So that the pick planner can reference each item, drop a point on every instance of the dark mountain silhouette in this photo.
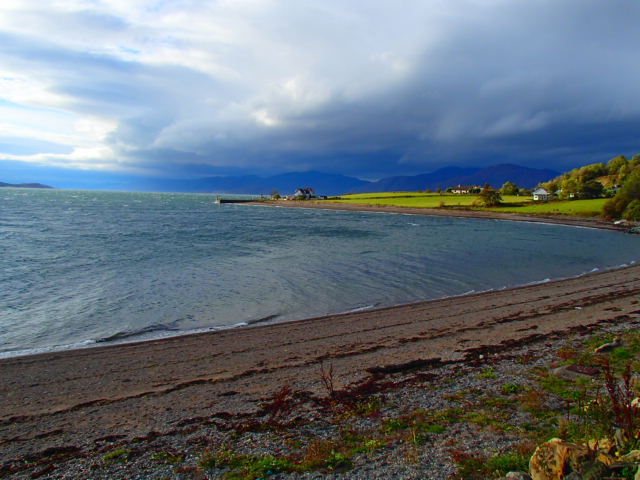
(334, 184)
(285, 184)
(495, 176)
(414, 183)
(24, 185)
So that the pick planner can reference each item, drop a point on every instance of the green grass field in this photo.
(580, 208)
(511, 203)
(419, 200)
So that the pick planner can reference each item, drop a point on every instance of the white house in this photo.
(541, 195)
(304, 193)
(461, 189)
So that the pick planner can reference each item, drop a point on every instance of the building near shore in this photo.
(541, 195)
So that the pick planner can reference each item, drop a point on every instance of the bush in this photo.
(614, 207)
(509, 188)
(632, 212)
(490, 197)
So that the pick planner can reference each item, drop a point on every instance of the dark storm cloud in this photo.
(368, 91)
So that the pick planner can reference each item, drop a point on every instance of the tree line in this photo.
(618, 180)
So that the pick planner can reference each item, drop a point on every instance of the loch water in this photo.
(81, 268)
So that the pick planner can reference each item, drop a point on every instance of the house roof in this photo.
(540, 191)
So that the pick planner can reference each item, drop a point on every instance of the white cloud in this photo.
(237, 80)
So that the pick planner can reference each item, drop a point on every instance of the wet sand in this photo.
(75, 398)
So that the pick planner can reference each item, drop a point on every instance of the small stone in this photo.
(517, 476)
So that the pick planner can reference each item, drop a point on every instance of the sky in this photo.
(105, 90)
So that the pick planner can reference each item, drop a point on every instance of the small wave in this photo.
(363, 308)
(21, 352)
(134, 333)
(261, 319)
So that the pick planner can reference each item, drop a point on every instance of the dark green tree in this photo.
(614, 207)
(569, 187)
(590, 189)
(629, 192)
(631, 186)
(509, 188)
(490, 197)
(615, 165)
(591, 172)
(632, 212)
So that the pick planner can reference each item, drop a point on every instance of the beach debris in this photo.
(403, 367)
(605, 347)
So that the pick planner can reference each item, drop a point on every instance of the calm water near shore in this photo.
(80, 267)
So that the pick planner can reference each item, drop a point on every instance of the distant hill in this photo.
(495, 176)
(24, 185)
(438, 179)
(285, 184)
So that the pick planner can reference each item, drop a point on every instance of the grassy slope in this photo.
(511, 203)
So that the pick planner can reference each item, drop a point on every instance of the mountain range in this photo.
(285, 184)
(333, 184)
(495, 175)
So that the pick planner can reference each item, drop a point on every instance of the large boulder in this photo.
(556, 458)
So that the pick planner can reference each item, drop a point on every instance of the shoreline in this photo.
(173, 334)
(159, 388)
(107, 389)
(588, 222)
(576, 222)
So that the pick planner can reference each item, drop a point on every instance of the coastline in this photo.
(156, 387)
(158, 332)
(588, 222)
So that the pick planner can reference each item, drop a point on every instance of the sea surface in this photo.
(81, 268)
